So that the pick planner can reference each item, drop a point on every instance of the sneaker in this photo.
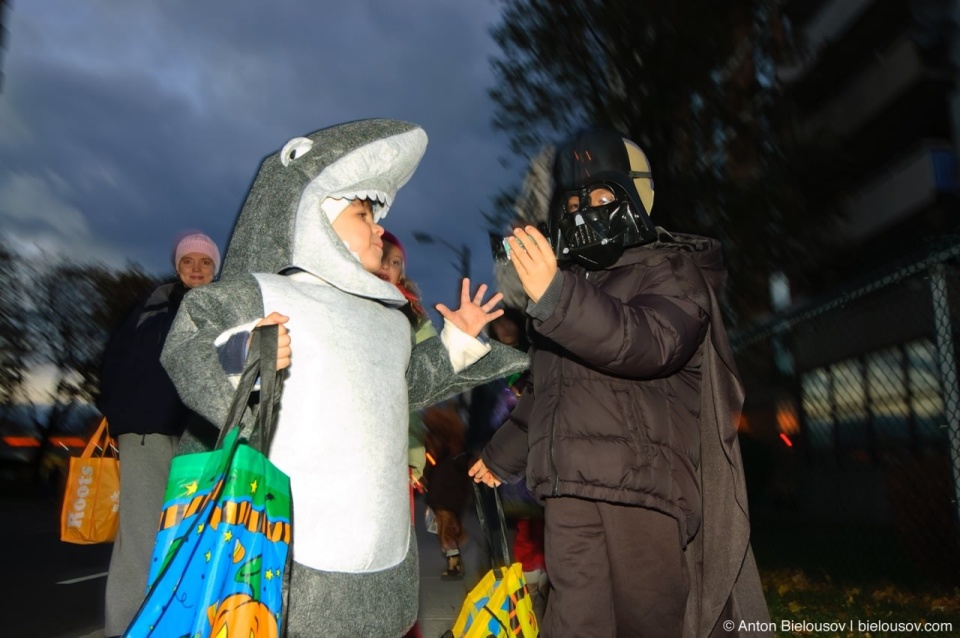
(454, 570)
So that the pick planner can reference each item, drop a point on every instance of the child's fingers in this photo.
(493, 315)
(284, 351)
(283, 357)
(481, 474)
(538, 241)
(518, 255)
(445, 312)
(274, 318)
(494, 300)
(535, 245)
(490, 480)
(481, 291)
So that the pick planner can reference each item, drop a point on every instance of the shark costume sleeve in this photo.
(354, 374)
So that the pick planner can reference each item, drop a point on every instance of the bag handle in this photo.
(263, 348)
(271, 385)
(99, 440)
(504, 546)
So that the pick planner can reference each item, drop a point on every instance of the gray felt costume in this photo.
(342, 430)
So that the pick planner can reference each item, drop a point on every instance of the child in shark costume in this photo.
(354, 373)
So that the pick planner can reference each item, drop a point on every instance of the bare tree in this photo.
(693, 82)
(15, 343)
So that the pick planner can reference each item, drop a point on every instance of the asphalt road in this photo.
(51, 589)
(48, 589)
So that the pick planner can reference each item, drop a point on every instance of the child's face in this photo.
(391, 265)
(597, 196)
(505, 331)
(356, 227)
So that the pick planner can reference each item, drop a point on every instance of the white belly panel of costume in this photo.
(342, 429)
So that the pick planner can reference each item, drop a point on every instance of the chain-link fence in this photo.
(851, 431)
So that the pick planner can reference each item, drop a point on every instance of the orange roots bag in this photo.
(91, 502)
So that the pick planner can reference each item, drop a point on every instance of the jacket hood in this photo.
(705, 252)
(281, 225)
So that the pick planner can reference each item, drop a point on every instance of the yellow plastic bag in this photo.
(499, 605)
(91, 502)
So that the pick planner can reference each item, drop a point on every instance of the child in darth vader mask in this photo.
(603, 199)
(626, 430)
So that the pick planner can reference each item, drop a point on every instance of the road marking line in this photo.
(81, 579)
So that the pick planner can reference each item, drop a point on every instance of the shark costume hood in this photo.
(281, 225)
(330, 416)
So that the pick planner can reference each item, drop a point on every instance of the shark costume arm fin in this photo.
(190, 355)
(431, 379)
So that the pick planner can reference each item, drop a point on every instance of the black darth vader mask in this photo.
(595, 224)
(597, 210)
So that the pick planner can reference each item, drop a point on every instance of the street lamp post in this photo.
(462, 252)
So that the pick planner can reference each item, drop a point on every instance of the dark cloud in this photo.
(138, 120)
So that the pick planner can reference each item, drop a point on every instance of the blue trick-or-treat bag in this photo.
(221, 555)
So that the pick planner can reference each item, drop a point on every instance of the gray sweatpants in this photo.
(144, 467)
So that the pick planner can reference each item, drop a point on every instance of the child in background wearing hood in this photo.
(393, 268)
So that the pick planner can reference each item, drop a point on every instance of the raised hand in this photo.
(533, 259)
(473, 314)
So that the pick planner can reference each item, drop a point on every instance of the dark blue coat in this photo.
(136, 394)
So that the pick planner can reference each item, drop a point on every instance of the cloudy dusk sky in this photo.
(124, 123)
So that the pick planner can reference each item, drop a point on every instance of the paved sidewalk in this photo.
(440, 600)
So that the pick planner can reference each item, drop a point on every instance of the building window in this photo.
(856, 408)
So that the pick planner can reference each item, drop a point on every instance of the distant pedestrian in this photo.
(448, 486)
(147, 418)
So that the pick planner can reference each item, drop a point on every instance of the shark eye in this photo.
(295, 148)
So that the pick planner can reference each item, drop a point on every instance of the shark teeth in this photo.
(374, 196)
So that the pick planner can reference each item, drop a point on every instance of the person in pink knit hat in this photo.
(197, 260)
(147, 418)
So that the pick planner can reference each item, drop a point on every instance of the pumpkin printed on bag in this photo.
(239, 616)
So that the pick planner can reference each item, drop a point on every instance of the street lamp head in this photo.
(423, 238)
(462, 251)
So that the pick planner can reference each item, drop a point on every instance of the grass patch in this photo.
(794, 596)
(821, 573)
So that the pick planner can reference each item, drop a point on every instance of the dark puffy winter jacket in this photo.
(136, 394)
(613, 409)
